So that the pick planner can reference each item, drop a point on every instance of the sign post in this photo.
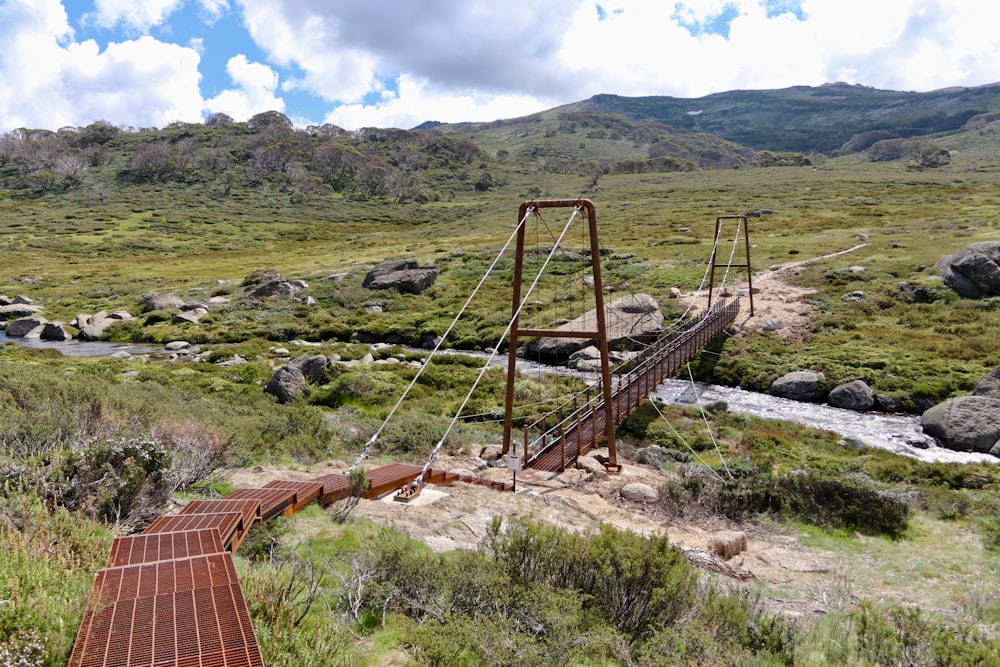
(514, 464)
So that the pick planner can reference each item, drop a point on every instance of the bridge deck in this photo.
(576, 434)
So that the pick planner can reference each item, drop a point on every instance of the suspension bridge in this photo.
(170, 595)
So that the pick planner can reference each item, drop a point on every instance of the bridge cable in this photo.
(371, 441)
(732, 254)
(437, 448)
(676, 324)
(704, 418)
(685, 442)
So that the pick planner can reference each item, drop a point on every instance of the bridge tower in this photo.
(600, 335)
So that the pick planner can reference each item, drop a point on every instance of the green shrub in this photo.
(905, 636)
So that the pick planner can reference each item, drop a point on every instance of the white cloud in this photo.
(416, 102)
(49, 81)
(139, 15)
(254, 92)
(214, 8)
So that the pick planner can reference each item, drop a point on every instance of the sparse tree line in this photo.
(368, 163)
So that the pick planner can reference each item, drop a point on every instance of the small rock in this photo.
(639, 492)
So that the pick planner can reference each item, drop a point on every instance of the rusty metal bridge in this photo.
(171, 596)
(586, 426)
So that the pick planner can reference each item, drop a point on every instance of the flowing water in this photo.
(901, 434)
(897, 433)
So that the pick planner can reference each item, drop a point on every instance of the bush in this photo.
(848, 503)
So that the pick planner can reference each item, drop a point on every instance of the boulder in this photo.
(630, 317)
(966, 424)
(887, 403)
(13, 311)
(287, 384)
(312, 366)
(274, 289)
(92, 326)
(855, 395)
(805, 386)
(988, 385)
(404, 275)
(639, 492)
(22, 327)
(261, 276)
(151, 302)
(55, 331)
(190, 316)
(974, 271)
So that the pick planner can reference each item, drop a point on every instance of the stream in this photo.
(893, 432)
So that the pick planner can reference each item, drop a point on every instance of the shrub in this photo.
(123, 481)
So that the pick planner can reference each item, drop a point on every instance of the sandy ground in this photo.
(457, 516)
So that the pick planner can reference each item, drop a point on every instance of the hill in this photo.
(804, 119)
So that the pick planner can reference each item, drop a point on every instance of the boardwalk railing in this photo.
(574, 435)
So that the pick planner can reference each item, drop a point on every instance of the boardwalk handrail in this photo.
(579, 431)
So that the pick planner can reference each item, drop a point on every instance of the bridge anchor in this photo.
(408, 493)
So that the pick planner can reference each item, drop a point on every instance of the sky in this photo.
(399, 63)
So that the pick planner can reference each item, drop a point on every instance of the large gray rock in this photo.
(852, 396)
(275, 289)
(151, 302)
(22, 327)
(639, 492)
(190, 316)
(966, 424)
(973, 271)
(312, 366)
(989, 385)
(403, 275)
(13, 311)
(92, 326)
(805, 386)
(287, 384)
(630, 317)
(55, 331)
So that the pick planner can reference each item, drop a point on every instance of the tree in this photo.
(927, 153)
(267, 119)
(218, 120)
(335, 164)
(97, 133)
(151, 162)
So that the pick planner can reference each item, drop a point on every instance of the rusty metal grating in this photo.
(249, 508)
(391, 477)
(305, 491)
(335, 486)
(149, 548)
(171, 596)
(272, 501)
(189, 611)
(228, 524)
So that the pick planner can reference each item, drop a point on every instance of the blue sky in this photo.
(398, 63)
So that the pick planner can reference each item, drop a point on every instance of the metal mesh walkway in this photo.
(170, 596)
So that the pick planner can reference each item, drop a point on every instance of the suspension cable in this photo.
(704, 418)
(371, 441)
(419, 481)
(732, 253)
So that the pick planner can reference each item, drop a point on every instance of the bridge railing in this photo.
(580, 430)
